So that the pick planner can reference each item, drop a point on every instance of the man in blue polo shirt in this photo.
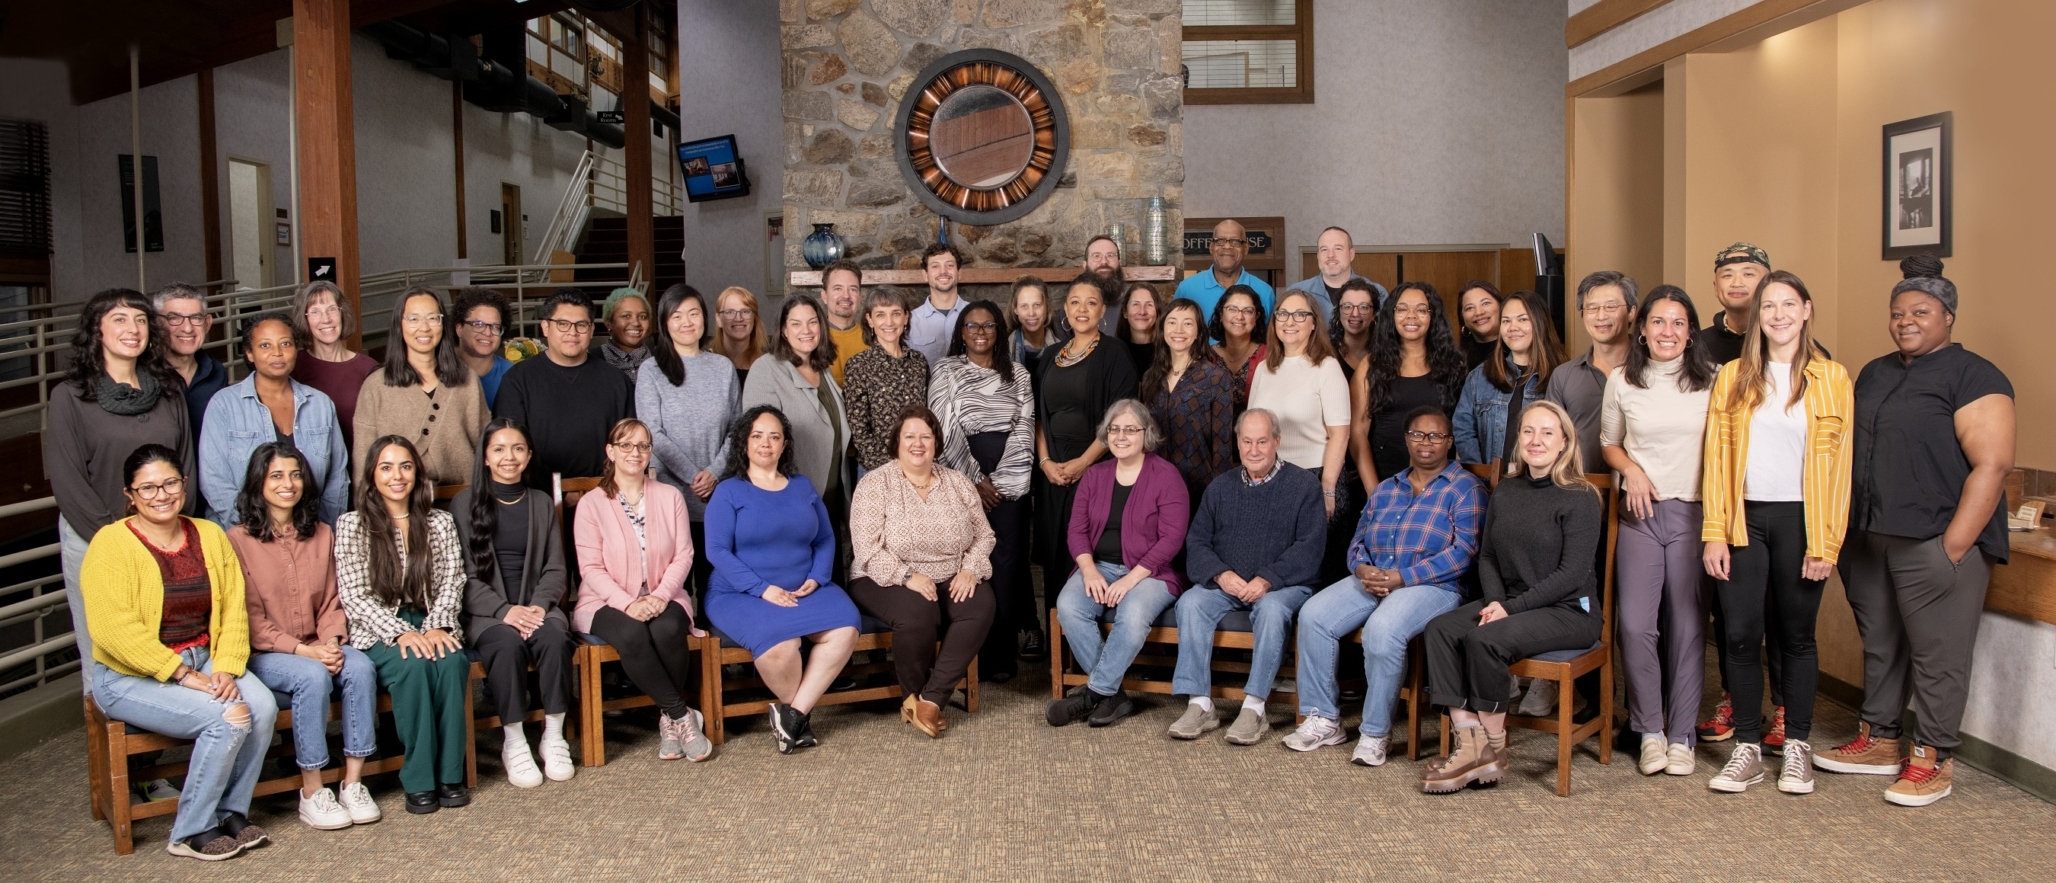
(1230, 247)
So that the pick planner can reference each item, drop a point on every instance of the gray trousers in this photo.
(1660, 618)
(1918, 616)
(71, 558)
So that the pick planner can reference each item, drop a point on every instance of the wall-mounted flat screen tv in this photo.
(713, 169)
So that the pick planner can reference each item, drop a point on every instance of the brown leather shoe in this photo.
(928, 716)
(1473, 761)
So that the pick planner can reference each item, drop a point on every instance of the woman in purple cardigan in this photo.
(1127, 522)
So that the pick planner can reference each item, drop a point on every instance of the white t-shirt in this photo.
(1776, 469)
(1662, 428)
(1307, 400)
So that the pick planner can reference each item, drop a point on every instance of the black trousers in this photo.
(702, 566)
(1918, 614)
(506, 656)
(1468, 663)
(1014, 593)
(653, 653)
(1763, 576)
(1772, 659)
(916, 623)
(1349, 508)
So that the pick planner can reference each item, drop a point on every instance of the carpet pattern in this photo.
(1004, 797)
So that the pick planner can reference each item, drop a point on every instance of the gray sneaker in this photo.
(1370, 750)
(669, 743)
(1249, 728)
(1745, 768)
(1797, 775)
(1195, 722)
(692, 737)
(1315, 732)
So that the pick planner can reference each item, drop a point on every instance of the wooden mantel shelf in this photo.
(2027, 586)
(988, 275)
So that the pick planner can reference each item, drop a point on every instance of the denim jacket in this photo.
(1480, 419)
(237, 423)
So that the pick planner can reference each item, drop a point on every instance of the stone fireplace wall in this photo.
(847, 63)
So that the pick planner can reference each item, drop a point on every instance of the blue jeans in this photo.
(227, 759)
(1200, 610)
(307, 687)
(1106, 661)
(1388, 624)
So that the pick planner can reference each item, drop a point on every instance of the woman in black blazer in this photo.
(513, 593)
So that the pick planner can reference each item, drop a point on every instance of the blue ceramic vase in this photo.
(821, 247)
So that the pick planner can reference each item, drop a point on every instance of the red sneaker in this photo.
(1774, 737)
(1721, 727)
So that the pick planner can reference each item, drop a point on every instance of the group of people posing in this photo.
(333, 526)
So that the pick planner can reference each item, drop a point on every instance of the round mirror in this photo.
(982, 137)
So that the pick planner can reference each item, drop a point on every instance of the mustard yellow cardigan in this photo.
(1830, 402)
(124, 594)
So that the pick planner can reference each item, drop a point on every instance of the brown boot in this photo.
(1923, 781)
(1473, 761)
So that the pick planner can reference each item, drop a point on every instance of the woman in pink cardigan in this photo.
(634, 551)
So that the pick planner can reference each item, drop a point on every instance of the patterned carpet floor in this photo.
(1004, 797)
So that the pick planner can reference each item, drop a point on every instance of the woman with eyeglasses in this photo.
(1138, 326)
(267, 407)
(1080, 380)
(425, 394)
(1652, 428)
(1242, 328)
(119, 396)
(298, 632)
(1517, 373)
(1193, 398)
(171, 646)
(626, 313)
(1414, 364)
(1302, 384)
(884, 378)
(741, 335)
(322, 321)
(1355, 317)
(687, 396)
(1349, 329)
(1478, 307)
(985, 404)
(634, 552)
(400, 575)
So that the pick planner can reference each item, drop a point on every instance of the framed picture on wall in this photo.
(1918, 186)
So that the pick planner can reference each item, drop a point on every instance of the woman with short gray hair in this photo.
(1127, 522)
(884, 379)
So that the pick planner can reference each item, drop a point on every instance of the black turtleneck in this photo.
(1538, 545)
(510, 539)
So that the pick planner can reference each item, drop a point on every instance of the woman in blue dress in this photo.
(773, 550)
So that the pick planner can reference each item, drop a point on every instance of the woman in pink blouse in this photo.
(635, 549)
(923, 556)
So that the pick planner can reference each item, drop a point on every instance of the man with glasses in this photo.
(842, 289)
(1606, 300)
(185, 317)
(1230, 247)
(932, 322)
(569, 402)
(1335, 253)
(481, 325)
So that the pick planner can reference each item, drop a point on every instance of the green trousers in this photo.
(428, 710)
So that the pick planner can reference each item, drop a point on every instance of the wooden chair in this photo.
(1564, 667)
(110, 744)
(1234, 632)
(716, 651)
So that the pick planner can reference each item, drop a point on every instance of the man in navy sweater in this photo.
(1254, 546)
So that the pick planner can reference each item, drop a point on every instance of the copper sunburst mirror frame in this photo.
(981, 137)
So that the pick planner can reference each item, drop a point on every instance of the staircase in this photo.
(606, 242)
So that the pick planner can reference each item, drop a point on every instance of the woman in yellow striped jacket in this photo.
(1775, 495)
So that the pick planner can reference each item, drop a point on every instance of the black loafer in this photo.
(452, 795)
(1110, 709)
(422, 803)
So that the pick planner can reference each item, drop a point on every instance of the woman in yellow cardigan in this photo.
(164, 602)
(1775, 496)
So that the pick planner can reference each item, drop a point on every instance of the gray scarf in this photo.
(123, 400)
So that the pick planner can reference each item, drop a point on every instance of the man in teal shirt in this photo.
(1230, 247)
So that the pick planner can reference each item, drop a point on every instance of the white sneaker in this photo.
(1314, 732)
(159, 789)
(1370, 750)
(1655, 754)
(520, 764)
(1682, 761)
(356, 800)
(1540, 700)
(557, 759)
(322, 813)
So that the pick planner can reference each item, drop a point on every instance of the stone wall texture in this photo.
(847, 63)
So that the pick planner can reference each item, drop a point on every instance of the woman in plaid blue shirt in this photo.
(1412, 546)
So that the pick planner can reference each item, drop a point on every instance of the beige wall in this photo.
(1617, 209)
